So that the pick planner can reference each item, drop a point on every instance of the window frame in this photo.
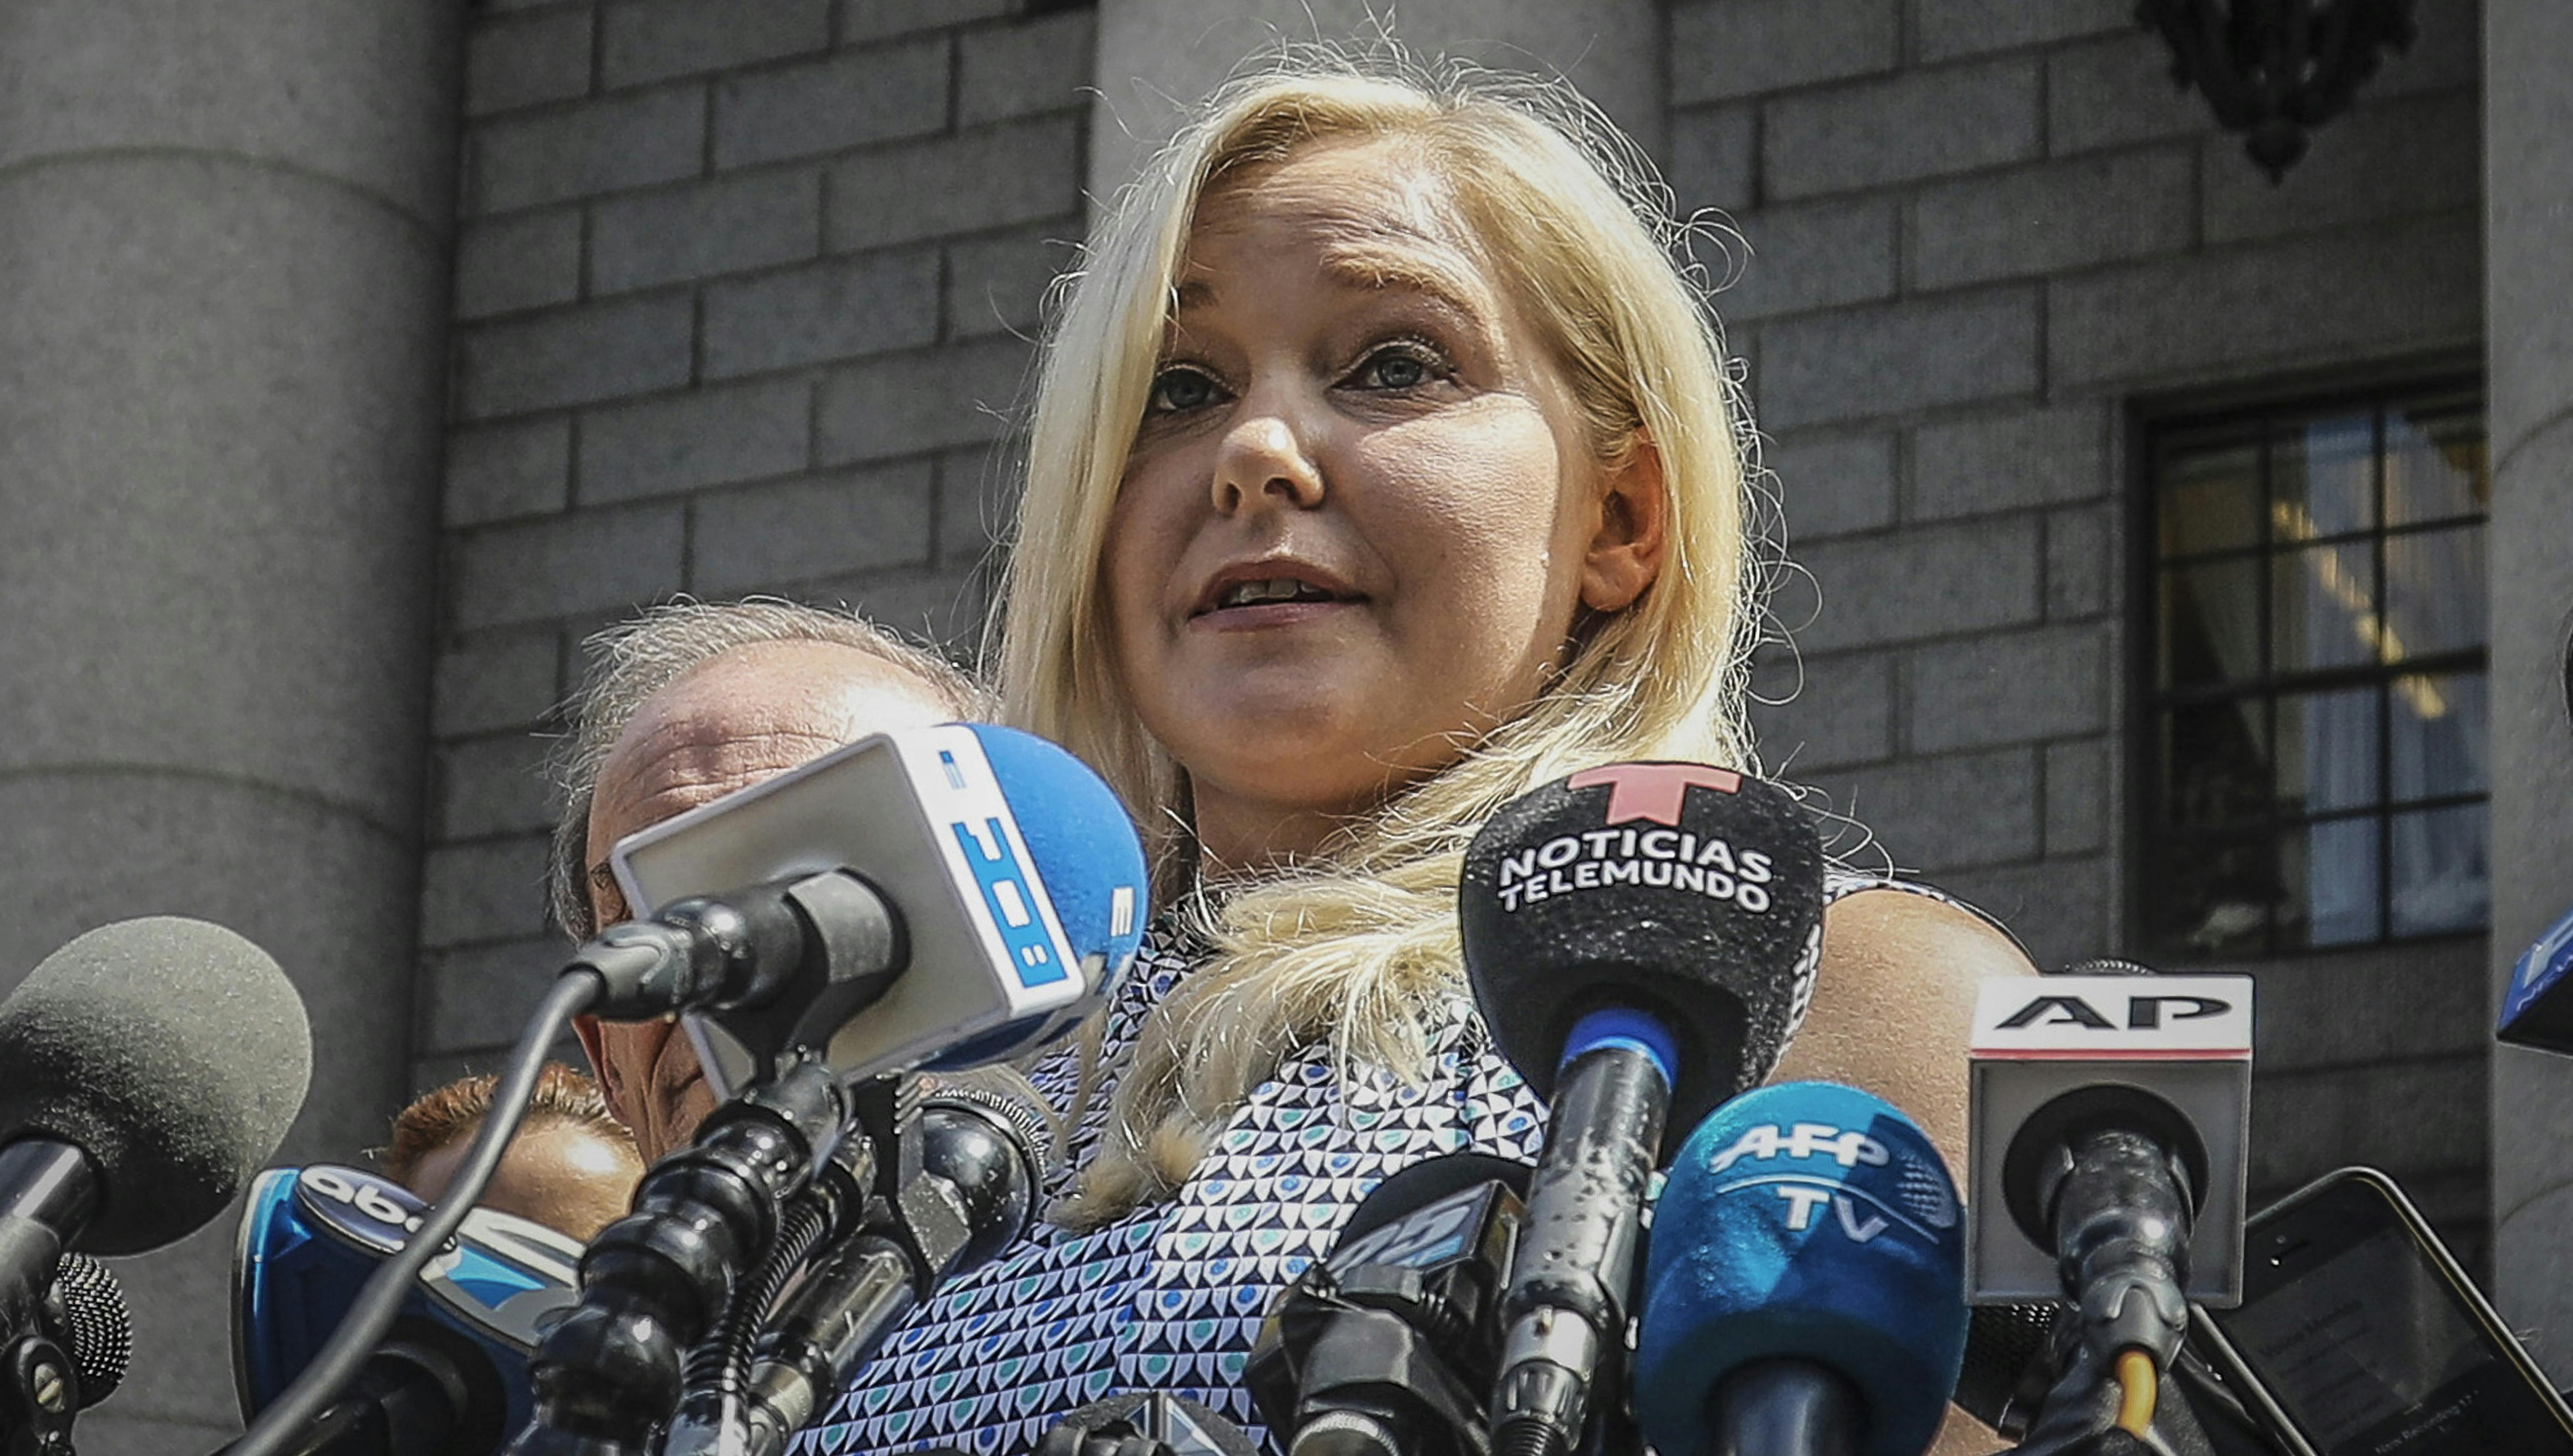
(2380, 391)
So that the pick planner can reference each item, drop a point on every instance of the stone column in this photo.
(2529, 262)
(1156, 57)
(224, 240)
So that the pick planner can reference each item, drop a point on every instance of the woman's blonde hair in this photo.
(1357, 947)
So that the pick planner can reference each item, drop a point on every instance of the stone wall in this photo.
(743, 296)
(741, 304)
(1979, 234)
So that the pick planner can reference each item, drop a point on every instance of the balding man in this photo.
(684, 705)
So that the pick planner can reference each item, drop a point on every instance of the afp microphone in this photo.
(1641, 939)
(942, 896)
(1805, 1293)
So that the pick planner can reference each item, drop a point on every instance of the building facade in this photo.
(359, 368)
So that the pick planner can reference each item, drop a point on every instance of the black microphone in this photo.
(1641, 939)
(985, 1153)
(84, 1314)
(147, 1069)
(2109, 1109)
(1384, 1347)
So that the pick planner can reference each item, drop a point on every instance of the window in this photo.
(2314, 738)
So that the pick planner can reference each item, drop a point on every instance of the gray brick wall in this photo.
(1980, 231)
(743, 291)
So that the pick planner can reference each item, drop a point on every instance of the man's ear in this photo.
(591, 1034)
(1625, 553)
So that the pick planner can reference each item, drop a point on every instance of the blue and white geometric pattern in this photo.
(1172, 1296)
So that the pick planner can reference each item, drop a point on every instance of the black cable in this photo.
(722, 1362)
(371, 1316)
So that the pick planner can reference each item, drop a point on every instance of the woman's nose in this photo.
(1265, 462)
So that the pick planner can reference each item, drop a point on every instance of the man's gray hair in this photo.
(631, 661)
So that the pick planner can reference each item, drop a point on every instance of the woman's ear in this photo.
(1634, 515)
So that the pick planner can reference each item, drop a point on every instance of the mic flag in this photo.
(1016, 879)
(312, 1236)
(1685, 892)
(1804, 1221)
(2537, 1009)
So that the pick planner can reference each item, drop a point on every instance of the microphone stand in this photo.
(655, 1283)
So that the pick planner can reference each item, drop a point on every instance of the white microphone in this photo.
(1017, 880)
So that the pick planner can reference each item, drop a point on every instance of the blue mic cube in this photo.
(2537, 1011)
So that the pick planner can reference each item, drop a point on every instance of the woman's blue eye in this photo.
(1176, 389)
(1396, 368)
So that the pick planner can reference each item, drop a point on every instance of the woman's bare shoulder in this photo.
(1912, 937)
(1893, 1003)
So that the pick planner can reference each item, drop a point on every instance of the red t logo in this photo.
(1653, 790)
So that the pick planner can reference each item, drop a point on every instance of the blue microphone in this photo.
(939, 898)
(1805, 1289)
(2537, 1011)
(454, 1373)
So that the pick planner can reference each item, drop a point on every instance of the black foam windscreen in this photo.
(171, 1051)
(1409, 1189)
(1688, 892)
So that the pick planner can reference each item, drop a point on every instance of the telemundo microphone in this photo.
(1804, 1290)
(147, 1069)
(1641, 939)
(452, 1378)
(1387, 1345)
(2107, 1149)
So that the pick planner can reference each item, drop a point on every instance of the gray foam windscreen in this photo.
(171, 1051)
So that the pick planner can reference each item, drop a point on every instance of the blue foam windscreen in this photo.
(1807, 1221)
(1084, 850)
(1085, 847)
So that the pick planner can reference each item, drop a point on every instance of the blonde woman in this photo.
(1384, 467)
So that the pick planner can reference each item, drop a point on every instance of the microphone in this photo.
(1641, 939)
(998, 867)
(947, 895)
(2537, 1009)
(146, 1069)
(453, 1375)
(984, 1156)
(1805, 1291)
(2109, 1116)
(1382, 1348)
(84, 1314)
(1143, 1423)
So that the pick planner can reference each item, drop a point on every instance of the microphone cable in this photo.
(371, 1316)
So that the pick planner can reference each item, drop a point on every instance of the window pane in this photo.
(2327, 751)
(2437, 736)
(2442, 882)
(2324, 478)
(2435, 592)
(2332, 882)
(2211, 624)
(2435, 465)
(2210, 495)
(2216, 764)
(2323, 608)
(2211, 897)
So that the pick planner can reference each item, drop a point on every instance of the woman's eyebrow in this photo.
(1376, 266)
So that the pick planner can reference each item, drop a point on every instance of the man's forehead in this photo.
(747, 715)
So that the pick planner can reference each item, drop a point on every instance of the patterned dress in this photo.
(1170, 1296)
